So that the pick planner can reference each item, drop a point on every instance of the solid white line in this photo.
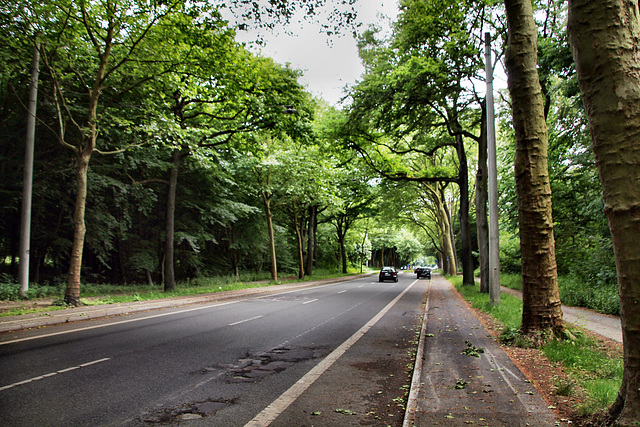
(73, 368)
(62, 371)
(94, 362)
(104, 325)
(271, 412)
(245, 320)
(310, 301)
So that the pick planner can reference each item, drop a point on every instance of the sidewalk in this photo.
(462, 376)
(602, 324)
(56, 317)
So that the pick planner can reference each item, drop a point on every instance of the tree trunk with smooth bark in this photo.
(605, 40)
(299, 242)
(72, 293)
(448, 257)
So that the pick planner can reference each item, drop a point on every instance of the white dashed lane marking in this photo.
(61, 371)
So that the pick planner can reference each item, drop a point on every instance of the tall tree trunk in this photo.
(450, 242)
(72, 293)
(83, 150)
(364, 240)
(149, 278)
(467, 254)
(343, 254)
(272, 244)
(232, 252)
(296, 224)
(605, 37)
(170, 222)
(311, 236)
(449, 255)
(541, 311)
(482, 222)
(341, 231)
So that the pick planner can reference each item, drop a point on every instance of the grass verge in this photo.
(115, 294)
(591, 370)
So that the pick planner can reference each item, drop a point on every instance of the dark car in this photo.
(423, 272)
(388, 273)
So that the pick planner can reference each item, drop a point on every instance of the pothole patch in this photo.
(253, 368)
(189, 412)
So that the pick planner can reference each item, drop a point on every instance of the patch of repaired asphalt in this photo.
(252, 368)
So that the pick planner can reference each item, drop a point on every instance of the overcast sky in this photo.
(327, 66)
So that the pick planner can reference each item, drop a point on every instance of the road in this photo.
(253, 361)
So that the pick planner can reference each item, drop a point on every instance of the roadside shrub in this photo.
(603, 298)
(11, 291)
(510, 256)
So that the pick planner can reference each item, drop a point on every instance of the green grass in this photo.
(590, 368)
(511, 281)
(508, 312)
(599, 375)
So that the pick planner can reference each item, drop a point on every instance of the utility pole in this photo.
(27, 182)
(494, 232)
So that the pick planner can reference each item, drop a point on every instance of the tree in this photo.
(305, 191)
(414, 100)
(604, 38)
(94, 48)
(223, 94)
(542, 311)
(354, 197)
(108, 44)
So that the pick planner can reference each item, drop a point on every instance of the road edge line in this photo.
(414, 391)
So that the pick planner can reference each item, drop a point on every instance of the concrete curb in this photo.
(416, 386)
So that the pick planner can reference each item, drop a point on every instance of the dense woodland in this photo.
(193, 136)
(166, 151)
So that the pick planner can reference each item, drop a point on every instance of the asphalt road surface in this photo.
(296, 358)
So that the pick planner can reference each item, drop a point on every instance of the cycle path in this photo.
(462, 375)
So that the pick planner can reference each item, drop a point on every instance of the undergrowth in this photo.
(601, 296)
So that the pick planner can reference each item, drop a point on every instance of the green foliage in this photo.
(603, 298)
(10, 291)
(510, 258)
